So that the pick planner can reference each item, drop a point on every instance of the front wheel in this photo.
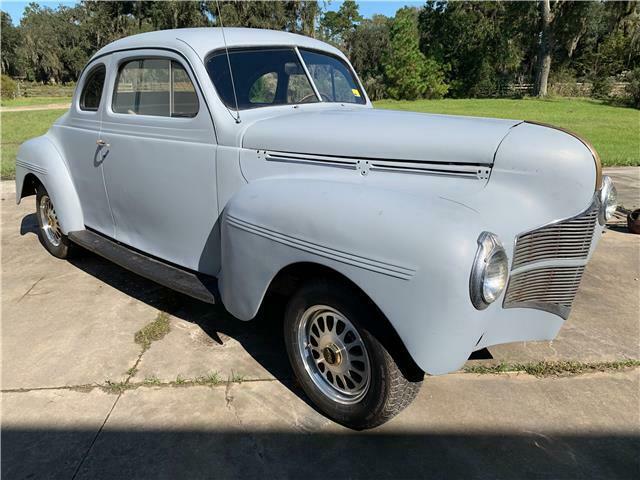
(49, 230)
(342, 367)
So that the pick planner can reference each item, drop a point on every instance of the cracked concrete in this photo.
(497, 426)
(69, 326)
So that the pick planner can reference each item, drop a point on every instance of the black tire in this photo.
(389, 390)
(61, 247)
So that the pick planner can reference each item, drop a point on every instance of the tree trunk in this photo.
(544, 53)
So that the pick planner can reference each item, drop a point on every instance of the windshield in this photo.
(275, 76)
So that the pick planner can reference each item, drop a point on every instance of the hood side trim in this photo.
(480, 171)
(339, 157)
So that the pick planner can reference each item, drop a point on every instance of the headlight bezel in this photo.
(489, 249)
(607, 208)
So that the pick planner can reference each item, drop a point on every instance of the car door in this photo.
(160, 167)
(79, 141)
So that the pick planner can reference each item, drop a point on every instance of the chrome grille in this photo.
(551, 289)
(566, 239)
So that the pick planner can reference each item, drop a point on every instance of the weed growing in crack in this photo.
(151, 381)
(547, 369)
(115, 387)
(153, 331)
(212, 378)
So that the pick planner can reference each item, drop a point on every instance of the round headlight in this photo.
(608, 200)
(489, 272)
(495, 276)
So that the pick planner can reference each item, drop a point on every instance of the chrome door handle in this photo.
(102, 143)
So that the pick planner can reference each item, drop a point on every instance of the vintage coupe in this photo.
(229, 164)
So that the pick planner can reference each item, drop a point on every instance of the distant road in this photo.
(28, 108)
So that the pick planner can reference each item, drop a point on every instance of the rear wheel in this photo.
(49, 230)
(347, 373)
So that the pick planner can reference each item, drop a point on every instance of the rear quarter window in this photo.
(92, 89)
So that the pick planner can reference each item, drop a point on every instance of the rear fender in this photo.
(40, 157)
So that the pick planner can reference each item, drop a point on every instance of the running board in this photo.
(199, 286)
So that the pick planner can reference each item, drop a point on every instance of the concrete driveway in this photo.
(198, 394)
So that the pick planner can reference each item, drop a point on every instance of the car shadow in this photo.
(261, 338)
(29, 224)
(167, 453)
(620, 228)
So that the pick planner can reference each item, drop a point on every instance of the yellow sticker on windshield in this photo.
(356, 92)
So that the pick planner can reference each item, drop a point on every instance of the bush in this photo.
(563, 83)
(374, 87)
(8, 88)
(602, 87)
(633, 87)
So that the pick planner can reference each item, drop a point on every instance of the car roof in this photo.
(204, 40)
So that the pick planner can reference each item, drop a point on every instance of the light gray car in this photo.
(228, 165)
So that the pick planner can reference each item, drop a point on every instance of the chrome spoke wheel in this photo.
(49, 221)
(334, 355)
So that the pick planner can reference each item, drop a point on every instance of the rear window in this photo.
(262, 77)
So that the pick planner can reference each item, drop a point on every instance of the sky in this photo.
(367, 8)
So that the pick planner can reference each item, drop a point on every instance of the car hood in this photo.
(381, 134)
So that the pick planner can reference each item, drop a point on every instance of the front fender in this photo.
(40, 157)
(411, 254)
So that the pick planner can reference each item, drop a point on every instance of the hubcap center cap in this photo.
(332, 355)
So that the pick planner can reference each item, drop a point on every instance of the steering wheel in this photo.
(306, 98)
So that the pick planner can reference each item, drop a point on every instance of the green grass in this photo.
(30, 101)
(16, 127)
(35, 89)
(614, 131)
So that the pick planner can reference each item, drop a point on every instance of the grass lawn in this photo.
(613, 131)
(29, 101)
(18, 127)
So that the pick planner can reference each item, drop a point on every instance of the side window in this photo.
(156, 87)
(185, 98)
(92, 91)
(263, 90)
